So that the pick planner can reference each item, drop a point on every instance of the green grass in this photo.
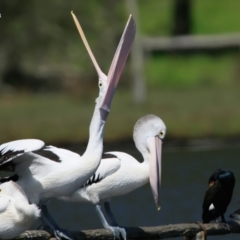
(51, 117)
(208, 17)
(155, 17)
(192, 70)
(216, 16)
(57, 118)
(196, 95)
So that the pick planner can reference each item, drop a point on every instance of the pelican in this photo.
(16, 214)
(121, 173)
(51, 172)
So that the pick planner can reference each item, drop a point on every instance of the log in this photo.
(158, 232)
(35, 234)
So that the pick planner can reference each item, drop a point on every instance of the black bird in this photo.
(218, 195)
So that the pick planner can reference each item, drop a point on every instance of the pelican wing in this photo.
(40, 156)
(58, 154)
(107, 167)
(49, 152)
(43, 161)
(40, 161)
(11, 150)
(52, 153)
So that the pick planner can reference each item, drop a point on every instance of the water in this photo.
(184, 182)
(185, 177)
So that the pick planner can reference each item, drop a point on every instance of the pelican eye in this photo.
(161, 134)
(100, 84)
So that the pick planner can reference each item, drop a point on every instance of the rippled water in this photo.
(184, 182)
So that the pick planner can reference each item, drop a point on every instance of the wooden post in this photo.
(137, 58)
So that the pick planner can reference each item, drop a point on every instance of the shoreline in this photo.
(170, 144)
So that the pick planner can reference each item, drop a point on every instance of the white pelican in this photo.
(16, 214)
(53, 172)
(122, 173)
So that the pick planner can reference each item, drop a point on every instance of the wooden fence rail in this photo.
(191, 42)
(186, 230)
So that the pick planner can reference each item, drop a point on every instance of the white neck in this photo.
(146, 156)
(95, 143)
(145, 153)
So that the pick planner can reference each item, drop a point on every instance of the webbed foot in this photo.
(63, 234)
(118, 232)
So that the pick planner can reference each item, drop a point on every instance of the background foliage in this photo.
(195, 93)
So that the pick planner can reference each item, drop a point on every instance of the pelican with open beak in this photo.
(46, 172)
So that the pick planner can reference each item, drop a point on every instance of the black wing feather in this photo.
(92, 180)
(13, 178)
(45, 152)
(7, 156)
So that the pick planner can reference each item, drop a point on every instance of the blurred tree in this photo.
(40, 37)
(182, 19)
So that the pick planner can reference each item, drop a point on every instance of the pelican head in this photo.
(149, 131)
(108, 83)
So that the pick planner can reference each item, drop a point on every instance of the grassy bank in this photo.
(192, 70)
(197, 95)
(57, 118)
(208, 17)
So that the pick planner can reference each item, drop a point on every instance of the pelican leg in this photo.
(46, 225)
(48, 221)
(110, 213)
(113, 219)
(117, 231)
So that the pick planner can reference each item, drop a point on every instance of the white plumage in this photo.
(115, 176)
(16, 214)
